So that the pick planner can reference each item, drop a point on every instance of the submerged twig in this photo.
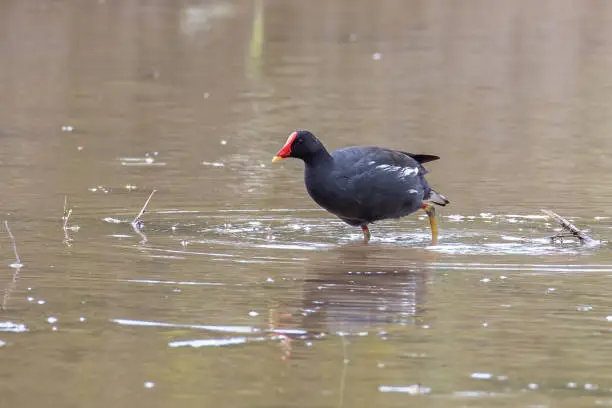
(66, 227)
(67, 238)
(17, 265)
(66, 218)
(137, 222)
(10, 287)
(569, 229)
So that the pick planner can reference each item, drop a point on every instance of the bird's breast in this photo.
(325, 189)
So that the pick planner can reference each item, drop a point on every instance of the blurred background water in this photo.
(240, 291)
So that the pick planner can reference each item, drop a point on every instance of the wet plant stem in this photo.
(137, 221)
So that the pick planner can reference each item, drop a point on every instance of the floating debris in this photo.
(570, 229)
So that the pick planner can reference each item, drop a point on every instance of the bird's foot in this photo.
(366, 234)
(430, 210)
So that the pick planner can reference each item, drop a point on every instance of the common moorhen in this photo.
(364, 184)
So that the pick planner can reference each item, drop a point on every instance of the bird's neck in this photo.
(320, 158)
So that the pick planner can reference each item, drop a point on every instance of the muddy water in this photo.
(238, 291)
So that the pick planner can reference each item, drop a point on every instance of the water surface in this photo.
(238, 290)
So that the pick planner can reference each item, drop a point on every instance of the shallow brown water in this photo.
(239, 291)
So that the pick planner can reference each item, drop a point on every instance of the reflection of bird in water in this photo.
(360, 290)
(352, 289)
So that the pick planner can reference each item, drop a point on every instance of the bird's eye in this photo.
(299, 141)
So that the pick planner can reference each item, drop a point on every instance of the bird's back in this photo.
(367, 183)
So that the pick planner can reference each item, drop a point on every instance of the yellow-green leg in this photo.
(430, 210)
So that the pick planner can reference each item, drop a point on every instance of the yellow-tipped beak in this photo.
(277, 159)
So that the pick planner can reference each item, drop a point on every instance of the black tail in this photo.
(422, 158)
(437, 198)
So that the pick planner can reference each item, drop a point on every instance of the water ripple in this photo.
(214, 328)
(13, 327)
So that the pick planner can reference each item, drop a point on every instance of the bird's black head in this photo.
(301, 144)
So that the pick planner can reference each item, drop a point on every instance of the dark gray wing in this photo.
(382, 182)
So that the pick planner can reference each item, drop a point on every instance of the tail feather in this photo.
(437, 198)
